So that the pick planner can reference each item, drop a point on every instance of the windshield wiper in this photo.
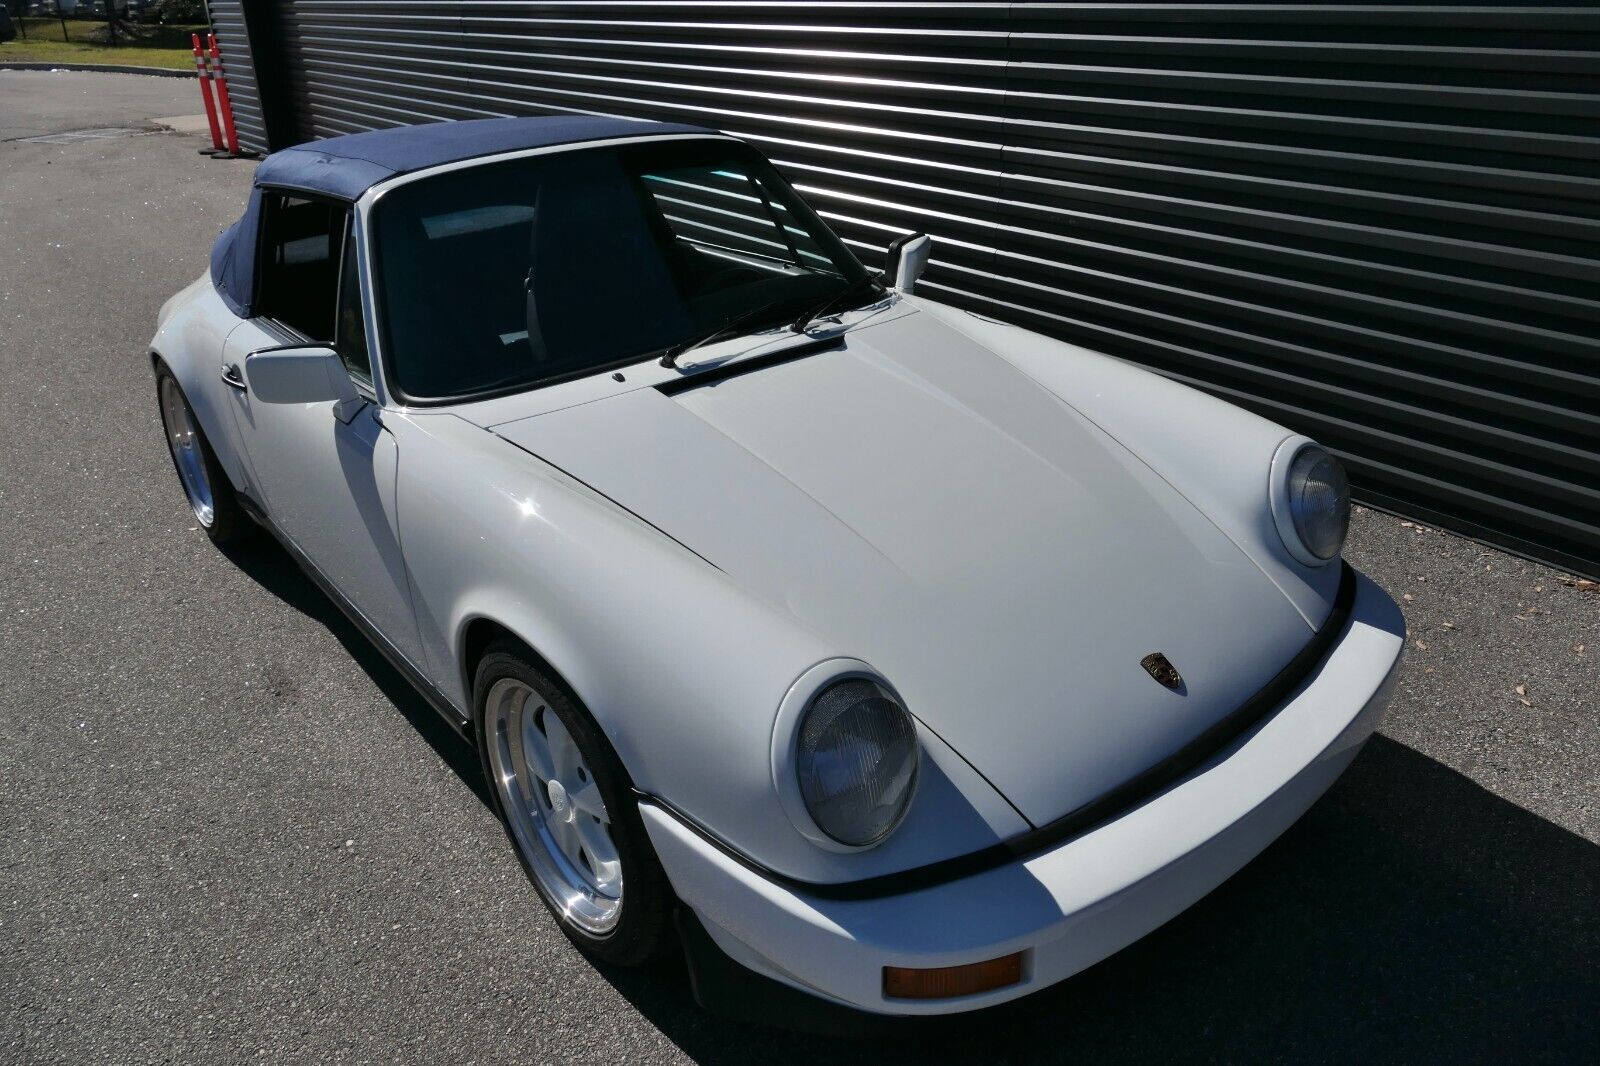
(727, 328)
(863, 285)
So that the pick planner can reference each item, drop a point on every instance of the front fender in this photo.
(1218, 456)
(682, 669)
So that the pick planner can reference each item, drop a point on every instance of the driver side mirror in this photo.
(906, 259)
(302, 374)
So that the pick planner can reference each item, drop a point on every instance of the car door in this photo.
(327, 478)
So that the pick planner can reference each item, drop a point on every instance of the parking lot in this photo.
(228, 830)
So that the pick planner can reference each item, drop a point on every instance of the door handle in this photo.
(232, 375)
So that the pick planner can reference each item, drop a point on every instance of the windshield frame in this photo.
(386, 380)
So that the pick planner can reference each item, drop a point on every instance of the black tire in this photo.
(229, 524)
(641, 934)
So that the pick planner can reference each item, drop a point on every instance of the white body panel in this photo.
(1210, 451)
(329, 485)
(676, 661)
(1000, 524)
(190, 334)
(944, 518)
(1069, 907)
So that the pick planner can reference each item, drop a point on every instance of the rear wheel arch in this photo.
(206, 484)
(222, 442)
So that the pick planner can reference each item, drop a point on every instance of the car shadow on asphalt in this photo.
(270, 566)
(1410, 915)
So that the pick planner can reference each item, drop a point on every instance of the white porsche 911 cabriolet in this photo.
(905, 658)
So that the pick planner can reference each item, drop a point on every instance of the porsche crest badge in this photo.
(1156, 665)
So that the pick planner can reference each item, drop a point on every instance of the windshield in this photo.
(509, 276)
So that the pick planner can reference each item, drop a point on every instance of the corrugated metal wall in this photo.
(233, 39)
(1378, 224)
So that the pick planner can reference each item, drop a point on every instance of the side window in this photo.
(300, 263)
(350, 339)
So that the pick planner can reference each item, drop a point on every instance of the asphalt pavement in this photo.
(229, 831)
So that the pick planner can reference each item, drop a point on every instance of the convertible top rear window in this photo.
(512, 275)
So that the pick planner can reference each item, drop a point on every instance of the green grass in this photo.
(154, 46)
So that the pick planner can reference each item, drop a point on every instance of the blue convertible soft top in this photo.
(346, 167)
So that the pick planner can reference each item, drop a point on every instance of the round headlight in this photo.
(1317, 499)
(856, 759)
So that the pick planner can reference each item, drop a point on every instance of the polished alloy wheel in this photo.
(186, 451)
(554, 807)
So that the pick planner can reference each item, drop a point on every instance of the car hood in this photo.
(915, 500)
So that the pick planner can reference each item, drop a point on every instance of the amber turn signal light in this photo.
(947, 982)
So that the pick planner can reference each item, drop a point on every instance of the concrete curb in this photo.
(103, 68)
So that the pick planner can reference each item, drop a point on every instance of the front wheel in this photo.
(567, 806)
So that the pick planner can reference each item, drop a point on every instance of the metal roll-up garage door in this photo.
(244, 95)
(1379, 224)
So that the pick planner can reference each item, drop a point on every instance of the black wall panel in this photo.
(1376, 223)
(238, 62)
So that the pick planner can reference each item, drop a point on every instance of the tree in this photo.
(179, 11)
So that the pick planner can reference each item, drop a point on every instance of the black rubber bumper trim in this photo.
(1136, 790)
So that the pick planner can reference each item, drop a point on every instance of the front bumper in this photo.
(1071, 906)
